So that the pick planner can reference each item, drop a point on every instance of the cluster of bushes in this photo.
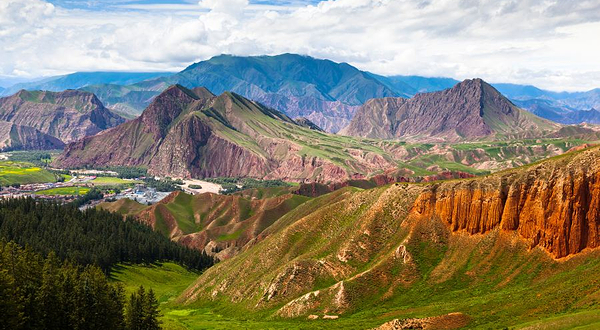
(232, 185)
(128, 172)
(47, 293)
(93, 194)
(164, 185)
(38, 158)
(123, 172)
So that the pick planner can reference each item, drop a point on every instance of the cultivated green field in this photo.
(112, 181)
(22, 173)
(75, 190)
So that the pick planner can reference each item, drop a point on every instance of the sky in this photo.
(552, 44)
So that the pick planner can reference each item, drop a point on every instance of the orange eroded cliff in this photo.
(554, 204)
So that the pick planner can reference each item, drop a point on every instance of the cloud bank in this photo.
(551, 44)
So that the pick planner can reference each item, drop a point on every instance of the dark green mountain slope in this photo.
(323, 91)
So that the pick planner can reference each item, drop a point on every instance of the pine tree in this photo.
(151, 312)
(134, 315)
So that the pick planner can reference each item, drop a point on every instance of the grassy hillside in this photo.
(124, 206)
(23, 173)
(496, 300)
(365, 256)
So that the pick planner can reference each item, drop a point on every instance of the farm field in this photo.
(111, 180)
(74, 190)
(12, 172)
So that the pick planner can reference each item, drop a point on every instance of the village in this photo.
(113, 188)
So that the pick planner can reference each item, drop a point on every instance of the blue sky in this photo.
(548, 43)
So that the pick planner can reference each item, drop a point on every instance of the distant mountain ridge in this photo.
(325, 92)
(472, 109)
(81, 79)
(67, 116)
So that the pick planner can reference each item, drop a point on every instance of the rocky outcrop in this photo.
(68, 115)
(448, 321)
(17, 137)
(470, 110)
(305, 122)
(555, 205)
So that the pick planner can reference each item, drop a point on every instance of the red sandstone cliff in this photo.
(554, 204)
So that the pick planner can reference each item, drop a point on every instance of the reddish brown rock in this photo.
(67, 116)
(555, 205)
(470, 110)
(17, 137)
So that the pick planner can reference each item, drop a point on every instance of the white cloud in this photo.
(549, 43)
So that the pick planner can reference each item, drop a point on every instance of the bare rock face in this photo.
(555, 205)
(470, 110)
(68, 115)
(305, 122)
(17, 137)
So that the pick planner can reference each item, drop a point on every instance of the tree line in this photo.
(90, 237)
(47, 293)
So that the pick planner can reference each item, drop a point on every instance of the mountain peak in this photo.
(167, 106)
(67, 115)
(203, 92)
(472, 109)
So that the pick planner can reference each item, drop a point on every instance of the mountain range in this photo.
(325, 92)
(67, 116)
(194, 133)
(82, 79)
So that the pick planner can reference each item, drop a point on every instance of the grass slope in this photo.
(169, 280)
(124, 206)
